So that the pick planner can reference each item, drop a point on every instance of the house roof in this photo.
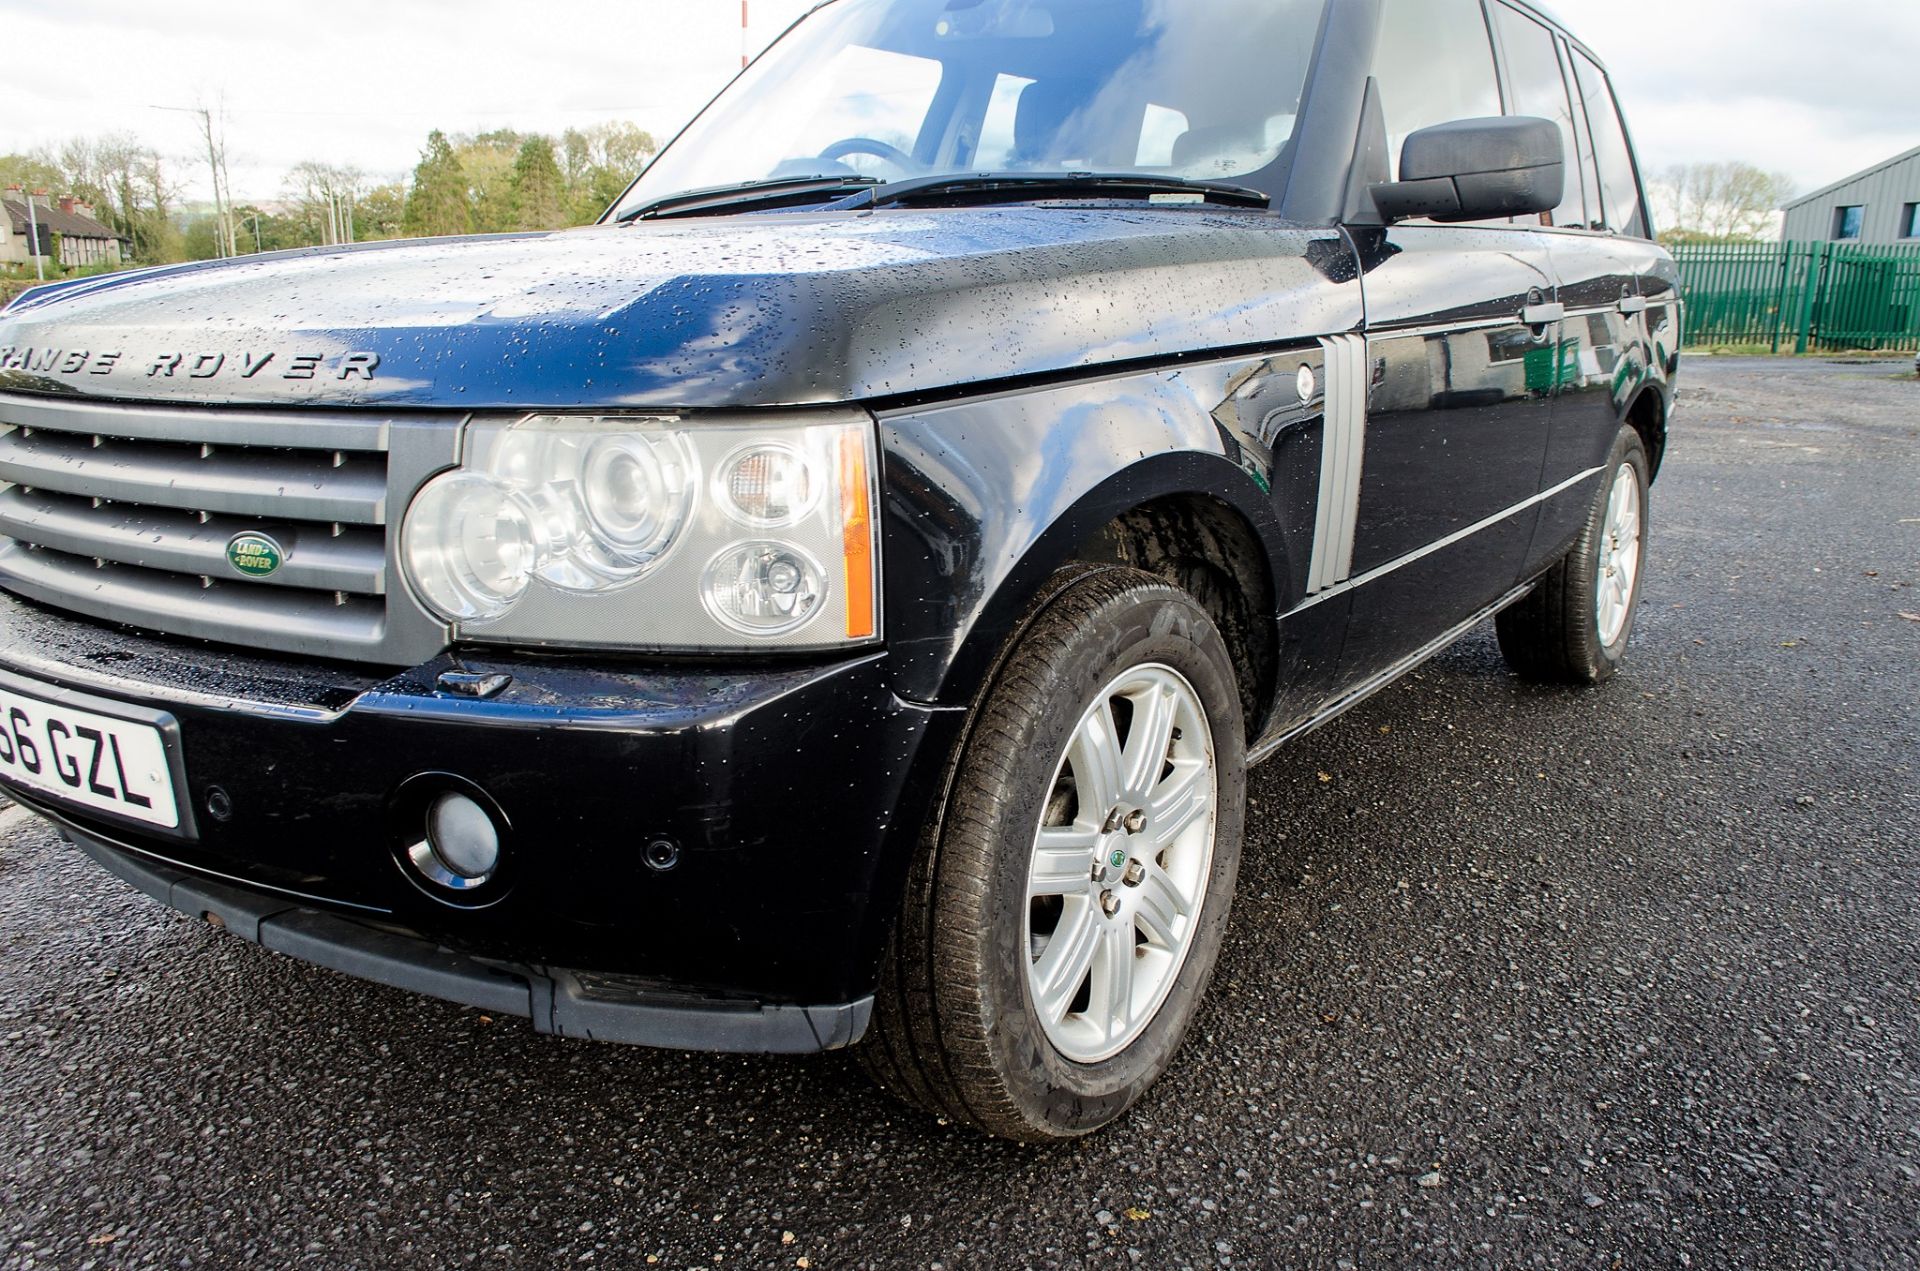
(66, 224)
(1861, 175)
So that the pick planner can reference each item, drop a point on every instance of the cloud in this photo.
(1814, 90)
(1817, 91)
(362, 82)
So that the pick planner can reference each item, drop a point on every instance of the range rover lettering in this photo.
(835, 599)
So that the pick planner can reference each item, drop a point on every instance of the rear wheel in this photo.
(1573, 627)
(1061, 928)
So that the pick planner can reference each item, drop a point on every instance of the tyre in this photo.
(1573, 627)
(1062, 924)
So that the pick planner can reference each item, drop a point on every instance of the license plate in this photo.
(78, 757)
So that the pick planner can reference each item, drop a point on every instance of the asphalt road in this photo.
(1517, 977)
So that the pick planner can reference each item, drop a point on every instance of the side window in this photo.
(1589, 169)
(1160, 135)
(1536, 87)
(1619, 183)
(1435, 65)
(995, 148)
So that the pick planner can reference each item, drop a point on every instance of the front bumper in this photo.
(564, 1003)
(794, 791)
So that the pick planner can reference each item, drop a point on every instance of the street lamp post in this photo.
(33, 236)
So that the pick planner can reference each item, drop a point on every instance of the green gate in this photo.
(1807, 296)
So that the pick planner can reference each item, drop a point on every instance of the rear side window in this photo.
(1589, 169)
(1536, 87)
(1435, 65)
(1619, 183)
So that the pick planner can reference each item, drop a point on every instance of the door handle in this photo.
(1542, 314)
(1632, 305)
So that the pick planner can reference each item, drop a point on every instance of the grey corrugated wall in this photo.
(1885, 195)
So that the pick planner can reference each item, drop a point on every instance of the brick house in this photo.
(82, 240)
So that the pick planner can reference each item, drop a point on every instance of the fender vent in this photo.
(1342, 450)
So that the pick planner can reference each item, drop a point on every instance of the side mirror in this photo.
(1477, 170)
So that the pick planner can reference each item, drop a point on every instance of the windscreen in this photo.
(895, 89)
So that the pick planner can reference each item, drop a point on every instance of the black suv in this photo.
(837, 597)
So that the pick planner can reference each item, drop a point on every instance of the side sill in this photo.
(1264, 749)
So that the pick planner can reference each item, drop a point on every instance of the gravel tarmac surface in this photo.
(1518, 977)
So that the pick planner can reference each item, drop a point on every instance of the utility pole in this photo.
(743, 35)
(226, 232)
(219, 198)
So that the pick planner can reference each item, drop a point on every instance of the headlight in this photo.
(761, 589)
(470, 546)
(652, 533)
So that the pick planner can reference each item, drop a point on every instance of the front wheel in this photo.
(1062, 926)
(1573, 627)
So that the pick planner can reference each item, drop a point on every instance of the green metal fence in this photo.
(1801, 296)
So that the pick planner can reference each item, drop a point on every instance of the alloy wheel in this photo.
(1121, 863)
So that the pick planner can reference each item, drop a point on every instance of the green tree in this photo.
(487, 159)
(156, 239)
(440, 202)
(262, 230)
(537, 187)
(381, 213)
(122, 178)
(30, 171)
(199, 235)
(599, 163)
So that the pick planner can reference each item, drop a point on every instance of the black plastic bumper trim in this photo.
(556, 1001)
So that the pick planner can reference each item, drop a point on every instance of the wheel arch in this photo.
(1196, 520)
(1647, 415)
(1211, 551)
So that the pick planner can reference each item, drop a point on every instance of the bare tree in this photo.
(324, 198)
(213, 133)
(1720, 200)
(122, 178)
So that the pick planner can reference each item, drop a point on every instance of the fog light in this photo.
(462, 848)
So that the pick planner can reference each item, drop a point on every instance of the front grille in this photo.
(124, 514)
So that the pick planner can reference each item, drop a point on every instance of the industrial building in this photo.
(1880, 206)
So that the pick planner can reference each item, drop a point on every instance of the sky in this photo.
(1816, 90)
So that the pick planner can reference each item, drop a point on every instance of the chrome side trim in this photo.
(1354, 355)
(1444, 328)
(1342, 458)
(1443, 543)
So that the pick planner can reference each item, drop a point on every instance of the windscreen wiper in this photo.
(990, 187)
(747, 195)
